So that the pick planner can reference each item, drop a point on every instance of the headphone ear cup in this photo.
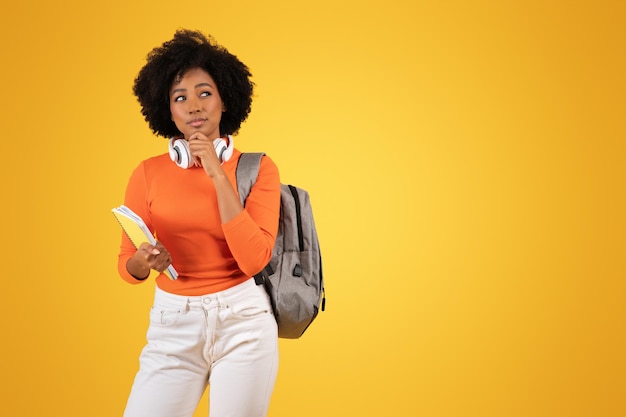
(223, 150)
(220, 147)
(179, 152)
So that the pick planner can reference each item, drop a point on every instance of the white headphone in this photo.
(179, 151)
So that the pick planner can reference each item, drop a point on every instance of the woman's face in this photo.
(196, 105)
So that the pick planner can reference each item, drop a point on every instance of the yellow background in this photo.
(466, 162)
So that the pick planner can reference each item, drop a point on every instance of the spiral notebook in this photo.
(137, 231)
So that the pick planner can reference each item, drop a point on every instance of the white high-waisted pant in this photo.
(228, 340)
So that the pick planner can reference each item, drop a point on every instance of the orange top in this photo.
(180, 205)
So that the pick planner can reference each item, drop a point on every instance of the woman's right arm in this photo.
(134, 265)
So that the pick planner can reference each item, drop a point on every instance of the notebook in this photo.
(137, 231)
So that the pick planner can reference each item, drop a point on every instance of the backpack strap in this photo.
(296, 198)
(247, 173)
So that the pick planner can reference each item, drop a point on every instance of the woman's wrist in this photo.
(137, 271)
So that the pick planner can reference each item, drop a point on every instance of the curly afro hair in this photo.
(188, 50)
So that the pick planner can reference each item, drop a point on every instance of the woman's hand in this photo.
(148, 257)
(203, 151)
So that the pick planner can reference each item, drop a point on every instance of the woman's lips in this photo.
(196, 122)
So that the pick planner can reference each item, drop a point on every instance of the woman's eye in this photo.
(179, 98)
(205, 94)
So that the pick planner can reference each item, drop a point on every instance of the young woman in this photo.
(212, 325)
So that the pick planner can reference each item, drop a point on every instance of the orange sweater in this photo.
(180, 206)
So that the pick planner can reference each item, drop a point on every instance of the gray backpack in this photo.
(293, 277)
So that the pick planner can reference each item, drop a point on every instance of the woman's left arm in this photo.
(202, 149)
(250, 232)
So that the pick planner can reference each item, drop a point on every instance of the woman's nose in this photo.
(193, 105)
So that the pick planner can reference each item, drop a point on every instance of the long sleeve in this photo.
(251, 234)
(135, 199)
